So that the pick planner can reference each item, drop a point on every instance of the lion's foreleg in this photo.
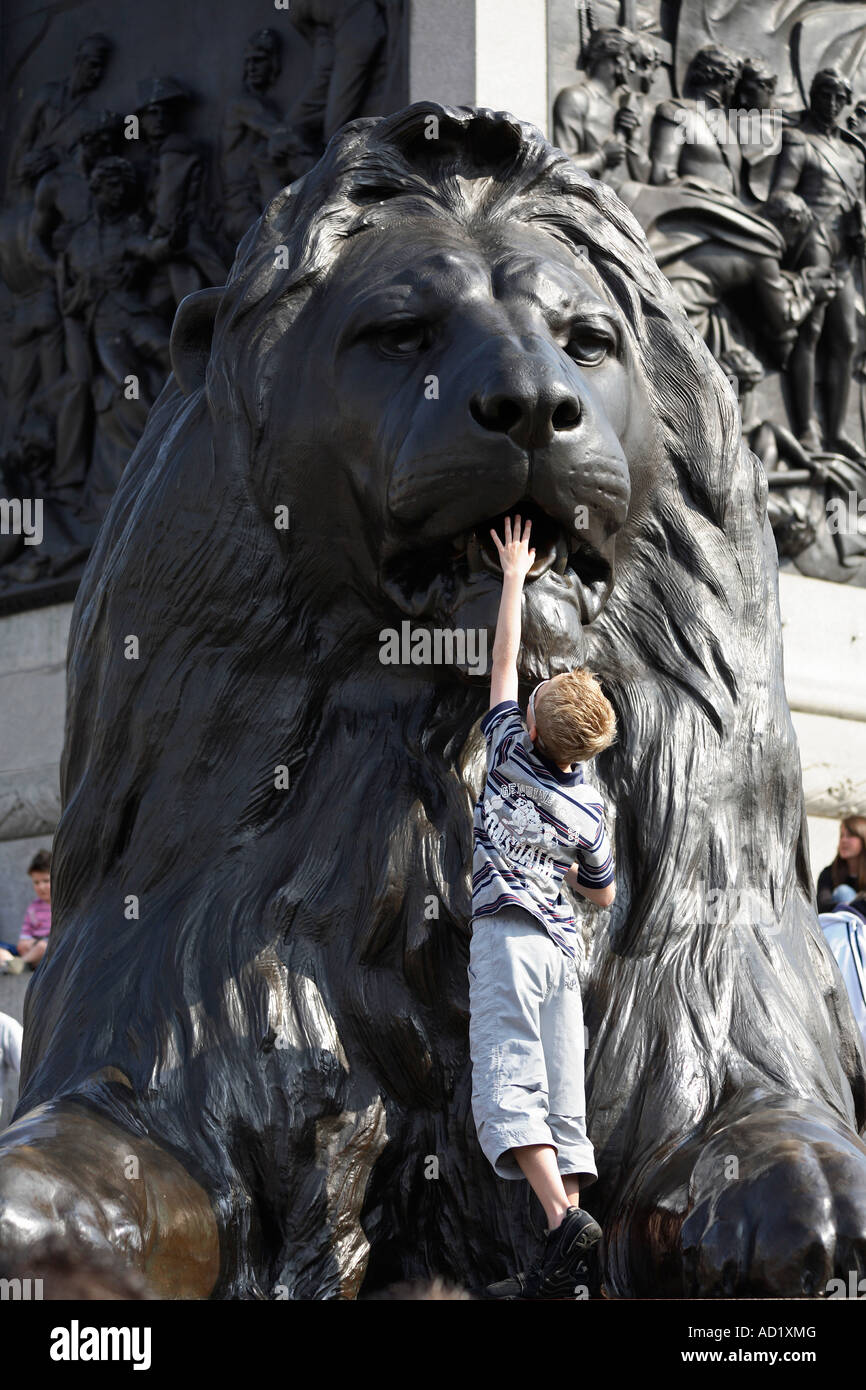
(326, 1250)
(336, 1132)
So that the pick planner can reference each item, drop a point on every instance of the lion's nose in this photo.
(529, 411)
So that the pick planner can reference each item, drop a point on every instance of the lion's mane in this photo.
(262, 910)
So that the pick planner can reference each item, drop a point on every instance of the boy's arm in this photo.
(516, 559)
(602, 897)
(25, 936)
(596, 860)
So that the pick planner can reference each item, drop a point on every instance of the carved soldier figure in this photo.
(249, 123)
(759, 129)
(756, 87)
(691, 135)
(62, 199)
(707, 276)
(60, 111)
(348, 37)
(644, 59)
(856, 122)
(173, 178)
(123, 344)
(720, 255)
(48, 133)
(782, 456)
(62, 202)
(103, 268)
(35, 332)
(826, 166)
(593, 121)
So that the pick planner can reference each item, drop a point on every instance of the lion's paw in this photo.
(777, 1209)
(75, 1179)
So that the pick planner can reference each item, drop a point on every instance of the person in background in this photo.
(843, 894)
(10, 962)
(35, 929)
(849, 866)
(845, 932)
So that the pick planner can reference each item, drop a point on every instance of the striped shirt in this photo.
(532, 822)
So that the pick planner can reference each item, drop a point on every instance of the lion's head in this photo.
(463, 355)
(443, 321)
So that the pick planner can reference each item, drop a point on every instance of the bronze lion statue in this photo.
(246, 1061)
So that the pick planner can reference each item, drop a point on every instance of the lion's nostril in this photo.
(497, 413)
(566, 415)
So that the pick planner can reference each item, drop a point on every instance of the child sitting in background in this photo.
(36, 927)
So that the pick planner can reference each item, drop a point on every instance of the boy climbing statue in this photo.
(536, 824)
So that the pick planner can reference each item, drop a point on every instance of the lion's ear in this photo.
(191, 337)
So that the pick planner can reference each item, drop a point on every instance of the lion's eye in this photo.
(590, 345)
(401, 339)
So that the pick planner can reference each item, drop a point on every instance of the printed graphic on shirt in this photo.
(532, 822)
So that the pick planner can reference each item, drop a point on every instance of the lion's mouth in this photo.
(562, 553)
(555, 549)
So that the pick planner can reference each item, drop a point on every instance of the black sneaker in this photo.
(513, 1287)
(564, 1263)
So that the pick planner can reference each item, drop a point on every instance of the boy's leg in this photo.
(9, 962)
(539, 1167)
(563, 1039)
(511, 960)
(516, 976)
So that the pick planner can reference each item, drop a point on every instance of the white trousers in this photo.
(526, 1042)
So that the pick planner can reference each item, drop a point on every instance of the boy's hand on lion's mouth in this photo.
(515, 556)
